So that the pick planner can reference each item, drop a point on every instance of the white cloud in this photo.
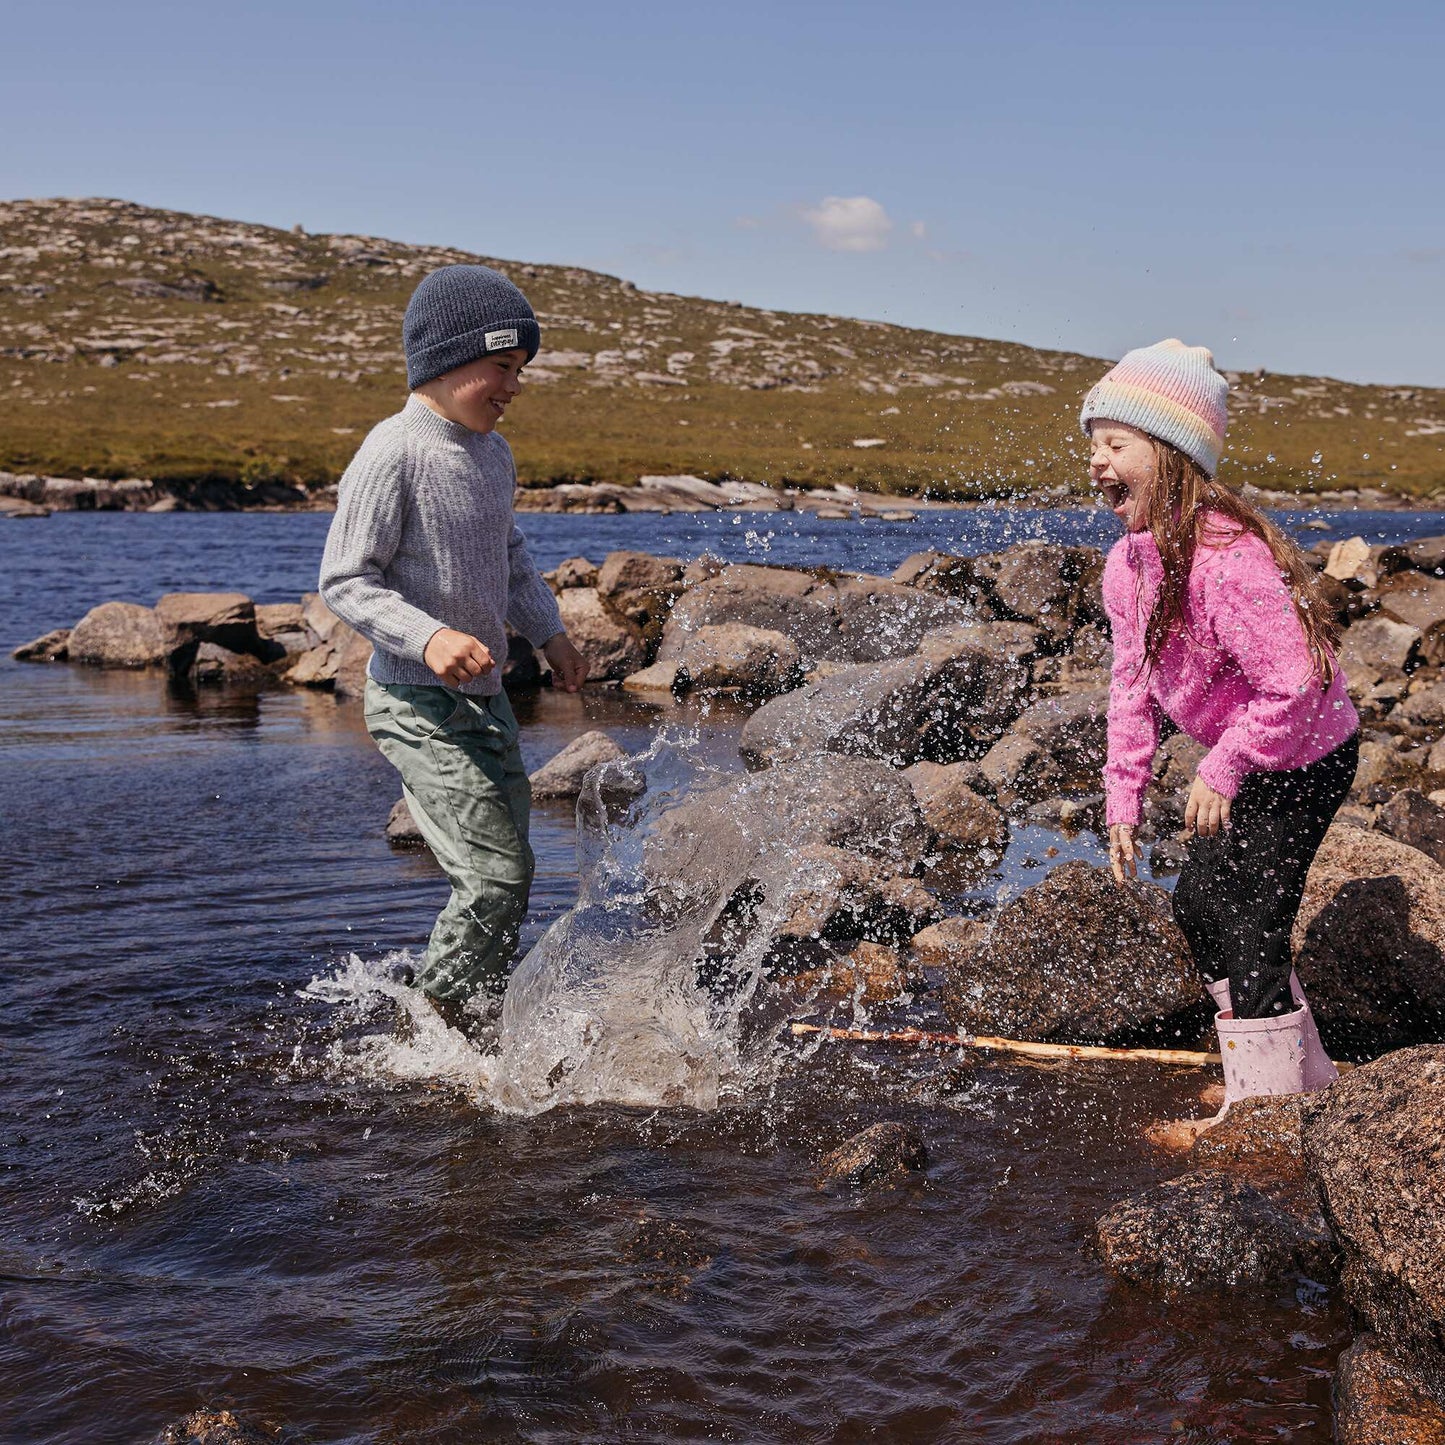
(849, 223)
(919, 231)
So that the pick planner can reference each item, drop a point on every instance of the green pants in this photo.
(463, 778)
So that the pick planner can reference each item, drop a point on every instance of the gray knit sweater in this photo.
(423, 538)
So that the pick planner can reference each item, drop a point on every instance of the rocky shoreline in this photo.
(30, 496)
(899, 729)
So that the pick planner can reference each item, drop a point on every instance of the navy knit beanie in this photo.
(459, 314)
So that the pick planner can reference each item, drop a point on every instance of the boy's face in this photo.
(476, 395)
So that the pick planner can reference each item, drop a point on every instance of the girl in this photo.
(1217, 626)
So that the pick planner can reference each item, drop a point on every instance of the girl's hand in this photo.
(569, 667)
(1124, 852)
(1206, 812)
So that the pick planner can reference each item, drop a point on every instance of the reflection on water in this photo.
(206, 1198)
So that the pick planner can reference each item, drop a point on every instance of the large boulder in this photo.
(753, 660)
(1055, 587)
(1380, 1402)
(1369, 941)
(940, 705)
(639, 587)
(776, 599)
(1412, 818)
(1059, 742)
(563, 775)
(959, 816)
(1377, 648)
(353, 656)
(123, 634)
(1413, 598)
(1375, 1144)
(1077, 959)
(879, 619)
(613, 647)
(1209, 1228)
(227, 619)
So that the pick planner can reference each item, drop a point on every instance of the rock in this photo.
(1412, 818)
(753, 660)
(214, 665)
(639, 588)
(765, 823)
(574, 572)
(1055, 587)
(123, 634)
(1369, 942)
(318, 618)
(652, 681)
(1412, 598)
(1427, 554)
(1383, 768)
(1056, 743)
(1052, 966)
(958, 816)
(51, 647)
(1380, 1402)
(274, 619)
(19, 511)
(316, 667)
(401, 828)
(214, 1427)
(1206, 1228)
(776, 599)
(353, 655)
(1351, 561)
(1020, 771)
(1374, 1143)
(950, 943)
(563, 775)
(226, 618)
(886, 1151)
(1425, 708)
(1377, 648)
(1260, 1139)
(936, 706)
(872, 973)
(949, 576)
(878, 619)
(613, 648)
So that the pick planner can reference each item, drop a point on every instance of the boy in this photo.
(424, 559)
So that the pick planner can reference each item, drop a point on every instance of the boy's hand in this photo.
(569, 667)
(457, 657)
(1206, 812)
(1124, 852)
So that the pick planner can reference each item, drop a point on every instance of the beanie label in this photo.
(501, 340)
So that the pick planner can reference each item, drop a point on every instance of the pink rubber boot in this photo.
(1219, 992)
(1318, 1070)
(1261, 1056)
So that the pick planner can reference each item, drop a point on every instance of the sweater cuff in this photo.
(1221, 775)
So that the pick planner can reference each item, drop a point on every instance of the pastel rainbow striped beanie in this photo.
(1171, 391)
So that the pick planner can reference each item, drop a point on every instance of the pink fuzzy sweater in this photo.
(1238, 678)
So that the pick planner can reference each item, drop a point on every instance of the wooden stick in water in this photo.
(1185, 1057)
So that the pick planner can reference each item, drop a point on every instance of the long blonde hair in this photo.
(1177, 511)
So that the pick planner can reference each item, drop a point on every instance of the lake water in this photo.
(206, 1201)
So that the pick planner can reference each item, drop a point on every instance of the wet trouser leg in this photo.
(1239, 892)
(463, 778)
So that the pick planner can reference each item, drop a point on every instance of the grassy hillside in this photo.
(138, 342)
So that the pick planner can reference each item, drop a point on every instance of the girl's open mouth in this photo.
(1115, 493)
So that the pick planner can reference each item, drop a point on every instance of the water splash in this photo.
(644, 994)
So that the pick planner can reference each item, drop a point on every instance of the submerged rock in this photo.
(1378, 1401)
(124, 634)
(563, 775)
(1206, 1228)
(1076, 959)
(1369, 941)
(1374, 1142)
(880, 1152)
(214, 1427)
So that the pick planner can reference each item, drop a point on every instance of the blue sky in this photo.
(1262, 178)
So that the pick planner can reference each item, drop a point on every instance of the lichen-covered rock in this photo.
(123, 634)
(753, 660)
(1374, 1143)
(1077, 959)
(959, 816)
(49, 647)
(563, 775)
(881, 1152)
(1207, 1228)
(1380, 1402)
(1369, 941)
(1410, 817)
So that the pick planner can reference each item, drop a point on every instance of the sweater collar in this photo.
(422, 420)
